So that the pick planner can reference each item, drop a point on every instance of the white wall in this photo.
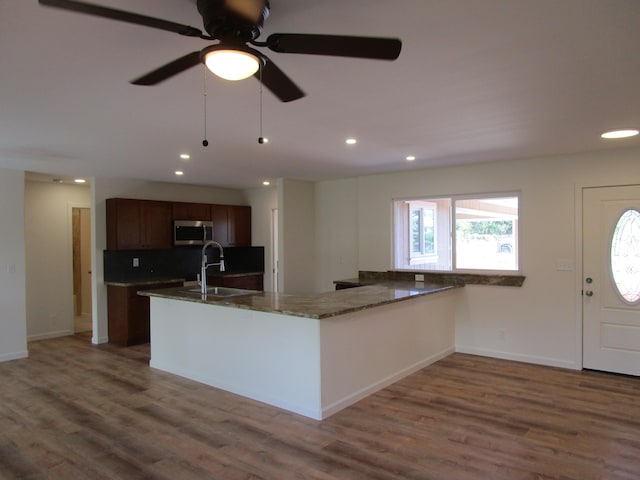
(541, 320)
(297, 236)
(103, 188)
(13, 332)
(263, 201)
(336, 217)
(49, 259)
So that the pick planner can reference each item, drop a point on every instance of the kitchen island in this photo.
(309, 354)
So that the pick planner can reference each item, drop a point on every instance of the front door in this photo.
(611, 283)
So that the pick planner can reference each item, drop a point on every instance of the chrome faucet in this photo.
(202, 277)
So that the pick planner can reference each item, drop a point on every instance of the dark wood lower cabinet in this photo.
(249, 282)
(129, 313)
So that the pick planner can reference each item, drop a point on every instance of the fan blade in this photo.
(250, 10)
(335, 45)
(169, 70)
(278, 82)
(123, 16)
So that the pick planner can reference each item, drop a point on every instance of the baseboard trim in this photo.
(99, 340)
(45, 336)
(256, 395)
(5, 357)
(549, 362)
(385, 382)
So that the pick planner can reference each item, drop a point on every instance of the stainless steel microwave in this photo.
(192, 232)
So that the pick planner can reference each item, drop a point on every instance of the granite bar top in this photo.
(449, 278)
(317, 306)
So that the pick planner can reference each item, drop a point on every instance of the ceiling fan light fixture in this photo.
(232, 64)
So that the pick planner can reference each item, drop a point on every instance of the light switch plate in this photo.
(136, 262)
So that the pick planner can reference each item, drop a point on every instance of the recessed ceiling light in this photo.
(410, 158)
(179, 173)
(351, 141)
(185, 156)
(266, 183)
(80, 180)
(624, 133)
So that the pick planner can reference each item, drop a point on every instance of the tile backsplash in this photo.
(177, 262)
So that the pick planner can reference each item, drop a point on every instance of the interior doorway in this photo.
(611, 283)
(81, 227)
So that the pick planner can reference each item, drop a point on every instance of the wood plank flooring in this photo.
(73, 410)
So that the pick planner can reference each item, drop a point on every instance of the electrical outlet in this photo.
(419, 277)
(136, 262)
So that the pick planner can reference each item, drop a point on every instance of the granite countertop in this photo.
(318, 306)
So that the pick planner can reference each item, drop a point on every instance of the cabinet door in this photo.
(232, 225)
(191, 211)
(118, 314)
(250, 282)
(156, 225)
(128, 313)
(123, 224)
(138, 331)
(240, 226)
(220, 218)
(138, 224)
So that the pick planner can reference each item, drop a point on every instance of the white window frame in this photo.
(421, 257)
(415, 259)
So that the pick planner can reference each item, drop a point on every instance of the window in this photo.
(422, 230)
(458, 233)
(625, 248)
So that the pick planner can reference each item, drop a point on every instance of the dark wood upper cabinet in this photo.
(191, 211)
(220, 216)
(240, 226)
(148, 224)
(232, 225)
(138, 224)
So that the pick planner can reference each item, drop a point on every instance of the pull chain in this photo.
(261, 139)
(205, 142)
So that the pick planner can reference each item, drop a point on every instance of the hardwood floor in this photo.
(73, 410)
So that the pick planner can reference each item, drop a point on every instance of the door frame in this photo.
(579, 272)
(70, 207)
(275, 250)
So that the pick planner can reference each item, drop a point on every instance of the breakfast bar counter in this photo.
(309, 354)
(318, 306)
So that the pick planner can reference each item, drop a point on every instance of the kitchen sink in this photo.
(223, 291)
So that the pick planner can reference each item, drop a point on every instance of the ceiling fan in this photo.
(236, 24)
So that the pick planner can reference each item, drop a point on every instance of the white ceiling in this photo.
(477, 80)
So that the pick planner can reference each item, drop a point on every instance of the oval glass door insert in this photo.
(625, 256)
